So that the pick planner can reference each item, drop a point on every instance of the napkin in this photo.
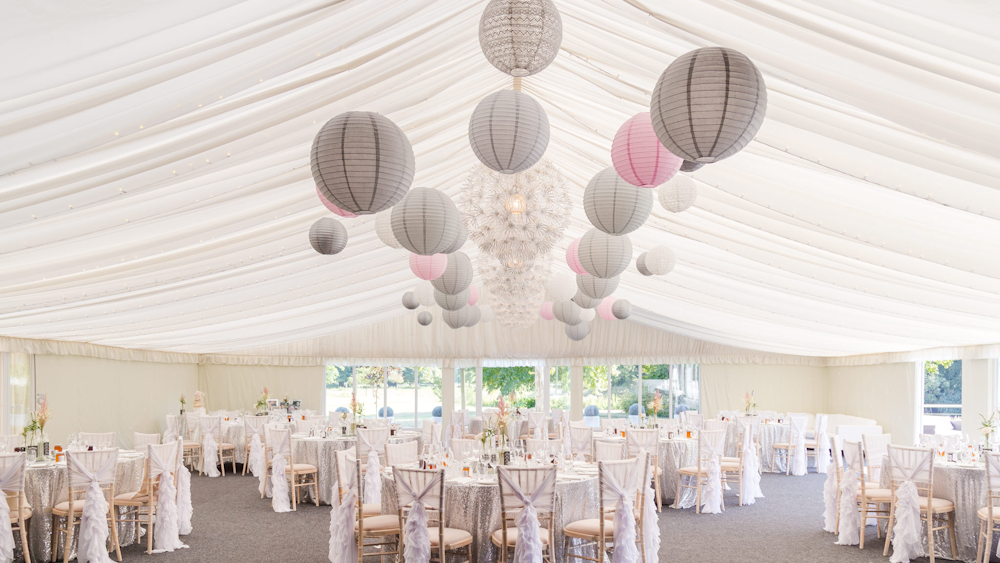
(461, 480)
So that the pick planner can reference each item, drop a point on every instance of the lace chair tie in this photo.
(257, 460)
(94, 520)
(343, 548)
(537, 420)
(712, 496)
(184, 508)
(166, 533)
(417, 540)
(529, 540)
(830, 500)
(11, 480)
(822, 451)
(579, 446)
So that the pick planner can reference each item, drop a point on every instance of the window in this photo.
(19, 399)
(339, 387)
(595, 390)
(624, 390)
(428, 394)
(656, 378)
(687, 391)
(942, 396)
(465, 389)
(517, 380)
(559, 390)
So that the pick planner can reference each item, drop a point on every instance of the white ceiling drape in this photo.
(155, 190)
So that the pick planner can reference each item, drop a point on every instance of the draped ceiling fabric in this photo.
(155, 191)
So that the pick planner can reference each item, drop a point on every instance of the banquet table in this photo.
(46, 486)
(770, 434)
(674, 454)
(475, 508)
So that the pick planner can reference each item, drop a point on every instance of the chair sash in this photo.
(431, 432)
(798, 426)
(580, 441)
(529, 540)
(92, 546)
(210, 448)
(280, 499)
(646, 442)
(751, 468)
(650, 523)
(624, 521)
(712, 495)
(184, 508)
(536, 421)
(12, 480)
(343, 548)
(822, 442)
(417, 540)
(373, 469)
(906, 533)
(256, 462)
(166, 534)
(850, 519)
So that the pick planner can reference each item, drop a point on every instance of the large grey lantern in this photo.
(327, 236)
(566, 312)
(460, 238)
(603, 255)
(362, 162)
(586, 301)
(452, 302)
(678, 194)
(596, 288)
(615, 206)
(578, 332)
(425, 318)
(520, 37)
(475, 314)
(410, 300)
(708, 104)
(426, 221)
(456, 319)
(457, 275)
(509, 131)
(621, 309)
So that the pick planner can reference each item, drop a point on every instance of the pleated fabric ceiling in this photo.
(156, 191)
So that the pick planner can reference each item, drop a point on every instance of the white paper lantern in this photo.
(424, 292)
(452, 302)
(425, 318)
(362, 162)
(327, 236)
(457, 275)
(426, 221)
(660, 260)
(621, 309)
(603, 255)
(584, 300)
(587, 315)
(596, 288)
(460, 238)
(578, 331)
(566, 312)
(456, 319)
(508, 131)
(678, 194)
(614, 205)
(410, 300)
(475, 314)
(383, 228)
(561, 287)
(640, 264)
(487, 314)
(520, 37)
(708, 104)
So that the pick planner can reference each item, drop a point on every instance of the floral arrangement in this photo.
(284, 400)
(989, 425)
(356, 407)
(183, 401)
(43, 414)
(656, 405)
(503, 417)
(749, 402)
(261, 405)
(199, 399)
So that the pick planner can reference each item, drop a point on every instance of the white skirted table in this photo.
(675, 453)
(770, 434)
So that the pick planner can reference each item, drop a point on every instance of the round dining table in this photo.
(674, 453)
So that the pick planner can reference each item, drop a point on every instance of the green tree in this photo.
(338, 376)
(943, 385)
(517, 380)
(431, 377)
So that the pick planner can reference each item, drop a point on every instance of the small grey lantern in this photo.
(596, 288)
(425, 318)
(426, 221)
(708, 104)
(584, 300)
(567, 312)
(475, 314)
(520, 37)
(603, 255)
(452, 302)
(410, 300)
(660, 260)
(621, 309)
(678, 194)
(457, 275)
(688, 166)
(456, 319)
(640, 264)
(327, 236)
(509, 131)
(578, 332)
(362, 162)
(615, 206)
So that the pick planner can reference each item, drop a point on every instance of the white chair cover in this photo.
(751, 463)
(715, 424)
(647, 442)
(370, 441)
(908, 465)
(536, 424)
(850, 519)
(876, 446)
(695, 419)
(456, 428)
(712, 444)
(211, 426)
(431, 432)
(797, 425)
(566, 433)
(100, 440)
(93, 469)
(830, 491)
(281, 444)
(253, 427)
(605, 450)
(822, 441)
(140, 440)
(343, 548)
(529, 540)
(173, 429)
(163, 463)
(12, 480)
(184, 508)
(398, 454)
(11, 441)
(416, 535)
(619, 484)
(580, 439)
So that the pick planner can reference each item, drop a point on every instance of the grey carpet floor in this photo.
(232, 524)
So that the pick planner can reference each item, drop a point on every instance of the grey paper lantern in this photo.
(615, 206)
(383, 228)
(578, 332)
(475, 314)
(452, 302)
(678, 194)
(460, 238)
(621, 309)
(425, 318)
(596, 288)
(603, 255)
(584, 300)
(566, 312)
(708, 104)
(640, 264)
(456, 319)
(520, 37)
(327, 236)
(362, 162)
(410, 300)
(688, 166)
(426, 221)
(457, 275)
(660, 260)
(509, 131)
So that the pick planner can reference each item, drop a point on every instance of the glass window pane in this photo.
(942, 395)
(465, 389)
(21, 391)
(338, 387)
(687, 394)
(370, 388)
(624, 390)
(559, 388)
(656, 378)
(595, 390)
(400, 391)
(428, 394)
(519, 380)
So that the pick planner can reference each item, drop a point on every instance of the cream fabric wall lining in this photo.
(978, 395)
(98, 395)
(886, 393)
(780, 388)
(229, 387)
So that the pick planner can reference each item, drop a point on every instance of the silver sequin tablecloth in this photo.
(476, 509)
(46, 487)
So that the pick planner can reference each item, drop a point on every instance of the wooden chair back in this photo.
(191, 418)
(254, 425)
(710, 442)
(911, 464)
(715, 424)
(101, 463)
(345, 464)
(12, 481)
(428, 484)
(536, 483)
(992, 481)
(876, 446)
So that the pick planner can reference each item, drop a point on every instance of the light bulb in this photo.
(516, 204)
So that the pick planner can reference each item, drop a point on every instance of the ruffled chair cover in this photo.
(343, 548)
(712, 444)
(529, 540)
(751, 463)
(822, 441)
(173, 429)
(850, 518)
(580, 439)
(184, 508)
(647, 442)
(536, 423)
(370, 441)
(281, 444)
(830, 492)
(908, 466)
(416, 535)
(93, 538)
(210, 427)
(798, 428)
(619, 484)
(11, 480)
(256, 461)
(163, 463)
(456, 427)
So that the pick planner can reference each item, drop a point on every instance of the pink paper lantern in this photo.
(428, 267)
(638, 156)
(604, 309)
(546, 311)
(336, 210)
(573, 257)
(473, 295)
